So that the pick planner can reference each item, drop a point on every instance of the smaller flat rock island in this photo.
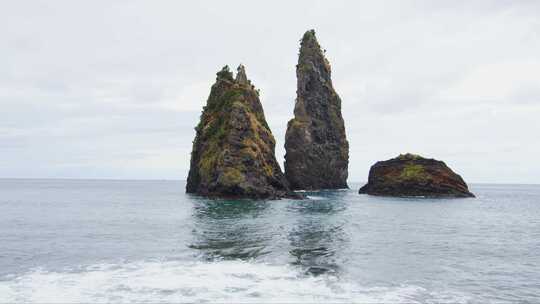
(410, 175)
(233, 151)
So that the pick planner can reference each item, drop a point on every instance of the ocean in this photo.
(68, 241)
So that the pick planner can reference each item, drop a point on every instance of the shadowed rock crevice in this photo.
(317, 150)
(411, 175)
(233, 151)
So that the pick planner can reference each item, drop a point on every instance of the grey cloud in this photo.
(114, 88)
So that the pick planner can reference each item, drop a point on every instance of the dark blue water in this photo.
(147, 241)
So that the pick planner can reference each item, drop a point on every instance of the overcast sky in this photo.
(113, 89)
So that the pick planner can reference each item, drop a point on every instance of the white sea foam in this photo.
(224, 281)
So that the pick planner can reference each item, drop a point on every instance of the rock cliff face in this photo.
(317, 151)
(412, 175)
(233, 151)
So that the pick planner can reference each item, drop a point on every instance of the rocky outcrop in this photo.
(317, 151)
(233, 151)
(412, 175)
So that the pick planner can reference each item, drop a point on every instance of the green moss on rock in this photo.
(231, 177)
(409, 156)
(413, 172)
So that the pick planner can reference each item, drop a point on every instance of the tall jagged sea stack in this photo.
(317, 150)
(233, 151)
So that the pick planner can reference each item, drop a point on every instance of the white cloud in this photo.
(498, 82)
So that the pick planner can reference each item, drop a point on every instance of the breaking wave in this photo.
(221, 281)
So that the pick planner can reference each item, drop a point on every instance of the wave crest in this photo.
(174, 281)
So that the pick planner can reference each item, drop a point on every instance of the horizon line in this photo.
(183, 180)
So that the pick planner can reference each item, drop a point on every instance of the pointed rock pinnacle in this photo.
(241, 77)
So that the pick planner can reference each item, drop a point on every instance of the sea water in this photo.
(148, 241)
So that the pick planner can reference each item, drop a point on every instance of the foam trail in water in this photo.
(223, 281)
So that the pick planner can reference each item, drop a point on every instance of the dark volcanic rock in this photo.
(233, 151)
(413, 175)
(317, 151)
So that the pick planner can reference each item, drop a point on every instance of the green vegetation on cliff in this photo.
(233, 150)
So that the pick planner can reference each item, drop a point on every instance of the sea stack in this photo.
(317, 151)
(410, 175)
(233, 151)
